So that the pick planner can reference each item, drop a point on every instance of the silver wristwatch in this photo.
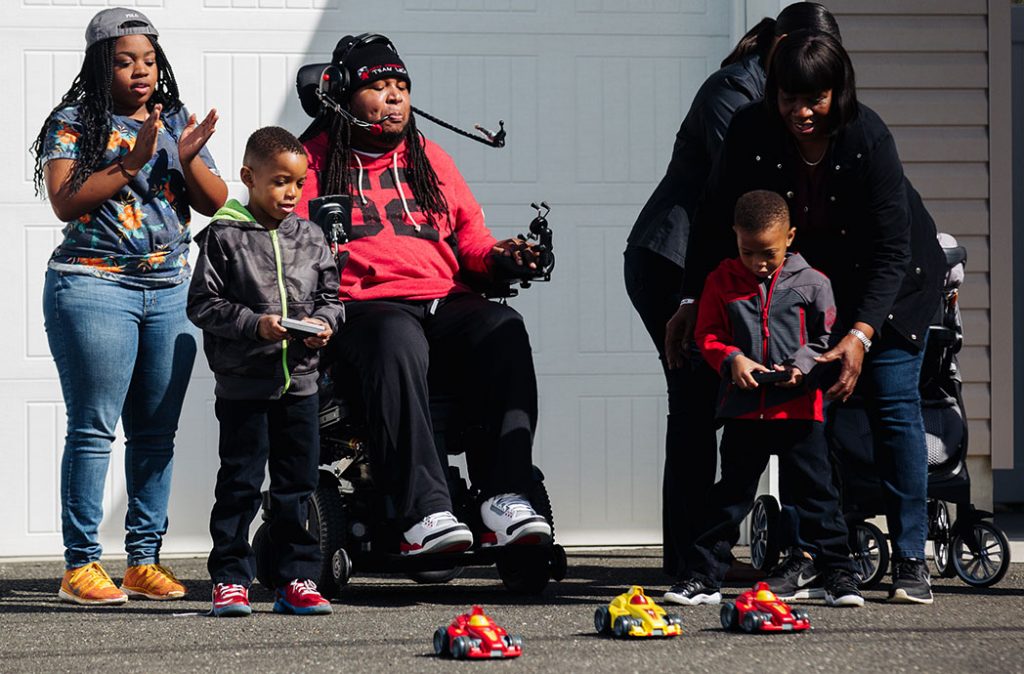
(862, 337)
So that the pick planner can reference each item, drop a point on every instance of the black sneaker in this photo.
(911, 583)
(692, 592)
(794, 578)
(841, 589)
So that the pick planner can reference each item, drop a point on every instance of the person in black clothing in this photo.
(865, 227)
(654, 257)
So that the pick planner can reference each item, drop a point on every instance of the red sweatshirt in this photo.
(389, 257)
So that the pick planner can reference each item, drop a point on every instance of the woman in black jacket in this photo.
(655, 252)
(861, 223)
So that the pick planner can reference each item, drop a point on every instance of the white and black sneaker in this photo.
(692, 592)
(513, 521)
(796, 578)
(439, 532)
(911, 582)
(841, 589)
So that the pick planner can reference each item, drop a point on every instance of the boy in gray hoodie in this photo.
(258, 265)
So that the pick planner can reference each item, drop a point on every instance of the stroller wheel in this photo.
(980, 554)
(870, 552)
(941, 534)
(764, 533)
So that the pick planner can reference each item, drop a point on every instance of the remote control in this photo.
(771, 377)
(300, 329)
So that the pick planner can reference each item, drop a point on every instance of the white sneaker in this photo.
(439, 532)
(514, 521)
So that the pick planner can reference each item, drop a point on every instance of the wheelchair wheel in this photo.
(527, 569)
(436, 577)
(941, 535)
(264, 556)
(764, 533)
(980, 554)
(326, 521)
(870, 552)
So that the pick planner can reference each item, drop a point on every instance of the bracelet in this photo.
(127, 174)
(862, 337)
(686, 301)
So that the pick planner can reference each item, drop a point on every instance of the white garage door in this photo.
(592, 92)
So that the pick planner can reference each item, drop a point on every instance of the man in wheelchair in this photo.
(417, 234)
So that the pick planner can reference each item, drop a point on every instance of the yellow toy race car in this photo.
(633, 614)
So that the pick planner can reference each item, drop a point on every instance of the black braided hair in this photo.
(426, 188)
(90, 93)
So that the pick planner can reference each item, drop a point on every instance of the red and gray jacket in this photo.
(786, 320)
(394, 252)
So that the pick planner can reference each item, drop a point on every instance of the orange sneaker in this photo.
(90, 585)
(152, 581)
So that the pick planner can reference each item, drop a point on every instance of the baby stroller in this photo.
(971, 546)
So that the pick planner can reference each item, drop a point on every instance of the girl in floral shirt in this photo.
(122, 162)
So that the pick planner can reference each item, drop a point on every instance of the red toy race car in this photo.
(759, 610)
(474, 635)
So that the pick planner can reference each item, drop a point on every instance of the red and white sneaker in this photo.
(513, 521)
(300, 597)
(439, 532)
(230, 600)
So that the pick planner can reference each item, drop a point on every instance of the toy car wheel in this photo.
(441, 642)
(764, 533)
(941, 535)
(517, 641)
(436, 577)
(264, 556)
(751, 622)
(460, 648)
(980, 554)
(603, 620)
(870, 551)
(801, 614)
(673, 619)
(326, 521)
(622, 626)
(729, 616)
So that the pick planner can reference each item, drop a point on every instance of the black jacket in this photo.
(664, 223)
(878, 244)
(244, 271)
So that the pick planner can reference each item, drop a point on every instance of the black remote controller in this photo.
(772, 377)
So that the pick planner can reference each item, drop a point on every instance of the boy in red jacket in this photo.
(767, 313)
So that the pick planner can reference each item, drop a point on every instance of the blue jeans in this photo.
(121, 353)
(889, 382)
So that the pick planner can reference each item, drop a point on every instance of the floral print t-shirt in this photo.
(140, 236)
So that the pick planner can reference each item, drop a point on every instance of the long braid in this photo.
(90, 93)
(423, 181)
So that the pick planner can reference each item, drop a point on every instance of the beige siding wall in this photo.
(923, 65)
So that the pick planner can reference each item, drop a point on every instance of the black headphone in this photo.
(334, 80)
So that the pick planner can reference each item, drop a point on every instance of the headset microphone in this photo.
(374, 128)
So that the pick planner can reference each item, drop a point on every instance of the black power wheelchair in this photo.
(351, 517)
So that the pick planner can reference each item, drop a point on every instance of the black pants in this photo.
(691, 448)
(254, 433)
(804, 460)
(481, 351)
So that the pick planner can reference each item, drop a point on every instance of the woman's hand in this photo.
(678, 335)
(145, 142)
(742, 372)
(320, 339)
(850, 351)
(269, 328)
(194, 136)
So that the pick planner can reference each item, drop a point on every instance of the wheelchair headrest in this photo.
(306, 82)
